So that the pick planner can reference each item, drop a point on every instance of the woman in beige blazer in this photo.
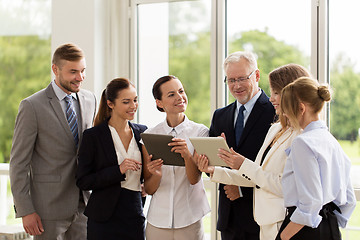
(265, 173)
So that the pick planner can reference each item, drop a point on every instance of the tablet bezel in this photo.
(209, 146)
(157, 145)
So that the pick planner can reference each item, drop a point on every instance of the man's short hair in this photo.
(237, 56)
(68, 52)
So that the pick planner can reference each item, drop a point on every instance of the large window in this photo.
(278, 32)
(174, 39)
(191, 38)
(25, 57)
(344, 64)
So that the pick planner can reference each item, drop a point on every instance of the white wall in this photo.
(101, 29)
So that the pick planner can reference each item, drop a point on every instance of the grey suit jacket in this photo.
(43, 157)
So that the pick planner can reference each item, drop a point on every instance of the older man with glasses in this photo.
(244, 123)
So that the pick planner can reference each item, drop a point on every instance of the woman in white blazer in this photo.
(265, 173)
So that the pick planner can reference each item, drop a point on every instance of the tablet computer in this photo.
(209, 146)
(157, 146)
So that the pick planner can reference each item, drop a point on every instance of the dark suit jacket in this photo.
(98, 170)
(238, 215)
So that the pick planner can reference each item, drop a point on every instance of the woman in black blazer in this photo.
(110, 164)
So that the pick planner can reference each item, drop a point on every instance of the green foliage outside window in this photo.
(190, 61)
(25, 68)
(345, 106)
(271, 53)
(25, 63)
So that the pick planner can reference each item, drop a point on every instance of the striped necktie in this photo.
(71, 118)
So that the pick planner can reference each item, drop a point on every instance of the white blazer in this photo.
(266, 179)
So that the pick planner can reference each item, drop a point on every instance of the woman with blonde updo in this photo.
(316, 179)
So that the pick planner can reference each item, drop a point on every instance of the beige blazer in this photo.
(43, 157)
(266, 179)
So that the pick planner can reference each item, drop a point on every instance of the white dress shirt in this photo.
(317, 172)
(132, 179)
(248, 108)
(176, 203)
(61, 95)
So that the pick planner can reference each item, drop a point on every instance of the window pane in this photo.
(25, 57)
(179, 45)
(278, 32)
(344, 64)
(24, 60)
(174, 39)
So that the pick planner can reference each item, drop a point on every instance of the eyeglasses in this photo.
(239, 80)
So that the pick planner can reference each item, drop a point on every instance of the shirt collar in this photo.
(250, 104)
(315, 125)
(60, 94)
(311, 126)
(178, 129)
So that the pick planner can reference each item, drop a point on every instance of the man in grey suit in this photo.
(43, 161)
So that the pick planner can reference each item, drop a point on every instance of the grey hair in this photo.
(236, 56)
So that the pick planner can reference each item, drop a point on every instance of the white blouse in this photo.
(132, 179)
(177, 203)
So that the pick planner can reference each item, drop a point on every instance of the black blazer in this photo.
(98, 170)
(257, 125)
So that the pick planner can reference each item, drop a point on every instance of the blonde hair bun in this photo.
(324, 93)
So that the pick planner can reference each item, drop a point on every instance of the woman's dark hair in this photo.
(110, 93)
(156, 88)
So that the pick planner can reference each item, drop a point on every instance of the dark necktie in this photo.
(239, 125)
(71, 118)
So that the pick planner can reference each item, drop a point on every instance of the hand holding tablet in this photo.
(157, 146)
(209, 146)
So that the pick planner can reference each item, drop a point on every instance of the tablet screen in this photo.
(209, 146)
(157, 145)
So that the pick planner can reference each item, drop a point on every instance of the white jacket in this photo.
(266, 179)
